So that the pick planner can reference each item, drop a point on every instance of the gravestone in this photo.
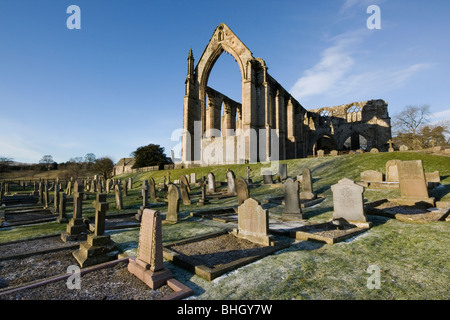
(124, 188)
(98, 247)
(108, 185)
(267, 177)
(403, 148)
(392, 171)
(62, 208)
(148, 266)
(193, 178)
(391, 148)
(253, 223)
(282, 171)
(41, 193)
(173, 198)
(292, 209)
(211, 183)
(348, 203)
(76, 229)
(242, 190)
(231, 183)
(118, 196)
(152, 189)
(56, 199)
(374, 150)
(69, 188)
(307, 192)
(130, 183)
(371, 176)
(185, 181)
(184, 192)
(144, 192)
(320, 153)
(413, 185)
(334, 153)
(46, 196)
(249, 180)
(202, 201)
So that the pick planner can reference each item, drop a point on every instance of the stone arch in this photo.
(324, 142)
(357, 139)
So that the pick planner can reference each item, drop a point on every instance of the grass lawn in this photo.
(413, 259)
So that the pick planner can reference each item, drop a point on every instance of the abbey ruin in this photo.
(269, 124)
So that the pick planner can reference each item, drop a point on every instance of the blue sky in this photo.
(118, 82)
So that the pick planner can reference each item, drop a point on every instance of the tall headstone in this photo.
(249, 180)
(185, 181)
(184, 192)
(282, 171)
(56, 199)
(46, 196)
(144, 193)
(108, 185)
(392, 171)
(292, 209)
(124, 188)
(193, 178)
(118, 196)
(148, 266)
(152, 188)
(76, 228)
(267, 176)
(41, 193)
(231, 183)
(202, 201)
(62, 208)
(98, 247)
(348, 202)
(307, 191)
(130, 183)
(242, 190)
(173, 197)
(413, 185)
(253, 223)
(211, 183)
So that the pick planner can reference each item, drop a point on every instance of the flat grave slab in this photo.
(418, 213)
(218, 214)
(210, 256)
(106, 281)
(21, 216)
(326, 232)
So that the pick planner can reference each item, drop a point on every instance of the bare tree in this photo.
(105, 166)
(407, 124)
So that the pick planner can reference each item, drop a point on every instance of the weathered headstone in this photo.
(124, 188)
(231, 183)
(202, 199)
(282, 171)
(391, 148)
(253, 222)
(62, 208)
(242, 190)
(193, 178)
(185, 181)
(403, 148)
(211, 183)
(374, 150)
(320, 153)
(152, 188)
(292, 210)
(99, 247)
(307, 191)
(41, 193)
(148, 266)
(144, 192)
(130, 183)
(56, 199)
(392, 171)
(413, 185)
(69, 188)
(267, 177)
(334, 153)
(348, 202)
(371, 176)
(173, 198)
(46, 196)
(76, 228)
(184, 192)
(118, 196)
(249, 180)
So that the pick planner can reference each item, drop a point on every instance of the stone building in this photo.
(124, 165)
(269, 124)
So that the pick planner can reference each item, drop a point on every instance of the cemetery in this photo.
(307, 230)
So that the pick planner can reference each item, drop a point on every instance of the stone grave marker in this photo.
(148, 266)
(130, 183)
(292, 210)
(144, 192)
(184, 192)
(413, 185)
(193, 177)
(185, 181)
(392, 170)
(371, 176)
(374, 150)
(99, 247)
(56, 199)
(334, 153)
(249, 180)
(76, 228)
(152, 189)
(46, 196)
(403, 148)
(173, 197)
(267, 177)
(320, 153)
(391, 147)
(62, 208)
(348, 203)
(231, 183)
(69, 188)
(242, 190)
(118, 196)
(282, 171)
(253, 222)
(124, 188)
(202, 201)
(307, 191)
(211, 183)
